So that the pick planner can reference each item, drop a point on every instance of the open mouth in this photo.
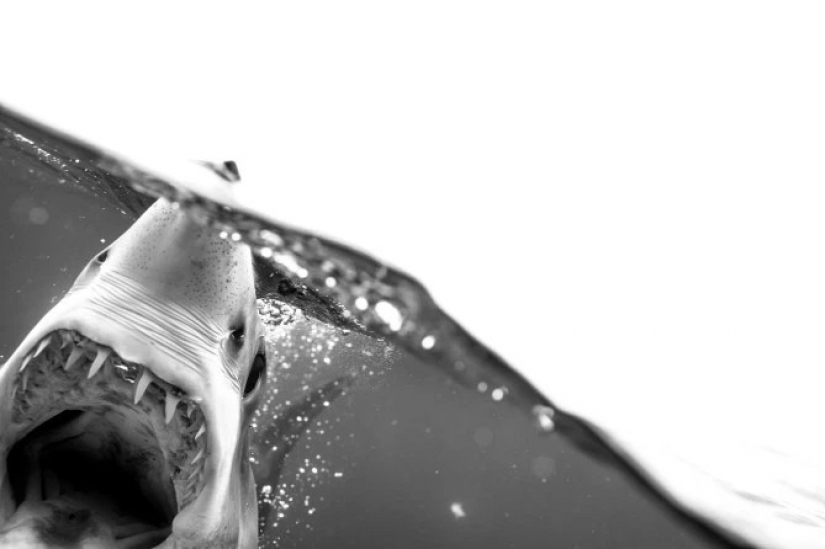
(101, 443)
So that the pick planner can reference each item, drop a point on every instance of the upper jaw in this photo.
(71, 315)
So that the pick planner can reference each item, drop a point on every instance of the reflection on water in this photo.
(384, 424)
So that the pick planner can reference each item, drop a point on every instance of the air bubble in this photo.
(458, 510)
(38, 215)
(544, 417)
(543, 467)
(272, 237)
(390, 314)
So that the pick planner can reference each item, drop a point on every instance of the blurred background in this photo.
(624, 200)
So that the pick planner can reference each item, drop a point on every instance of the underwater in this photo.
(436, 274)
(383, 423)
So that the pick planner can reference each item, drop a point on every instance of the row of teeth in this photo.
(144, 378)
(136, 374)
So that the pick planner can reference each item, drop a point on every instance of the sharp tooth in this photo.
(171, 406)
(102, 354)
(24, 380)
(142, 384)
(201, 431)
(43, 344)
(76, 353)
(199, 456)
(25, 362)
(67, 338)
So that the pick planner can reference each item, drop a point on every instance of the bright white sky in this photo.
(624, 199)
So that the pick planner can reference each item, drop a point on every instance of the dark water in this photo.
(386, 425)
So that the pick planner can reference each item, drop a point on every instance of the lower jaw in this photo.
(65, 522)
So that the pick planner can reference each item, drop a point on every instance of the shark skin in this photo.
(170, 308)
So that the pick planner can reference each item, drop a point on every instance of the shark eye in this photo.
(256, 373)
(102, 256)
(238, 335)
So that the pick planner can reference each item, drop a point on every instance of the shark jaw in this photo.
(97, 448)
(124, 413)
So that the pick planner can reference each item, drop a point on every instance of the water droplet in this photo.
(330, 282)
(270, 237)
(390, 314)
(361, 303)
(482, 387)
(428, 342)
(498, 393)
(291, 264)
(544, 416)
(265, 252)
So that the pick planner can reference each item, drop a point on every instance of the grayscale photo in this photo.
(430, 275)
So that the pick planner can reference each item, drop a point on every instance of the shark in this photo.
(125, 412)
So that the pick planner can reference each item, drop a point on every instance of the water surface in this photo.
(385, 423)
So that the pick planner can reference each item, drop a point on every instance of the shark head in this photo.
(124, 413)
